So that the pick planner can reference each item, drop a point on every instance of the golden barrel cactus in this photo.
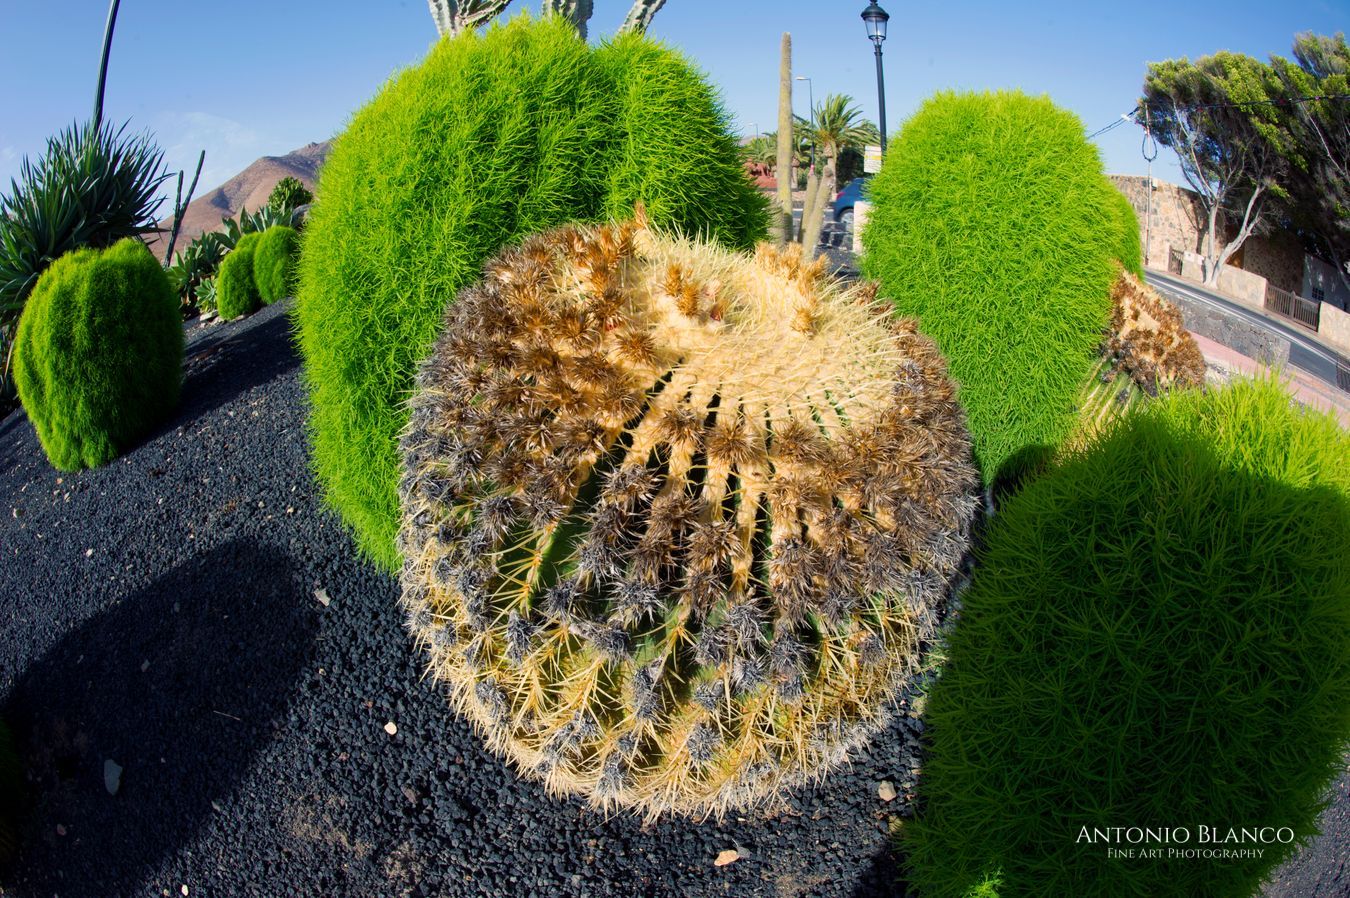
(1148, 339)
(677, 522)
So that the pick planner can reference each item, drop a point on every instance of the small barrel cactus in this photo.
(677, 522)
(1148, 339)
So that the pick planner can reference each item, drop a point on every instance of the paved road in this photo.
(1305, 353)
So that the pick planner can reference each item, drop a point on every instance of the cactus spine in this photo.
(677, 522)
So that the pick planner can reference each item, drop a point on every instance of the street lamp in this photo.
(874, 17)
(811, 98)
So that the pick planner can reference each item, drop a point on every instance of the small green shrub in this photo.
(993, 224)
(1157, 635)
(492, 137)
(98, 357)
(92, 187)
(289, 194)
(236, 290)
(274, 262)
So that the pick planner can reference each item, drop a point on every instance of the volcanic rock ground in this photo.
(163, 613)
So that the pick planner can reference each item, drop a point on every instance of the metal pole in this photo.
(881, 96)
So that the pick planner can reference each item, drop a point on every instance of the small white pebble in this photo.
(322, 595)
(726, 856)
(88, 552)
(145, 665)
(391, 728)
(184, 890)
(60, 830)
(886, 791)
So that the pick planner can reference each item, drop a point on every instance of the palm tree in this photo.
(838, 124)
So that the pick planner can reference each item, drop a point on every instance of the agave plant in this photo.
(195, 263)
(678, 522)
(205, 294)
(93, 186)
(250, 222)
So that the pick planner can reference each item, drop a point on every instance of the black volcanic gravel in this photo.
(160, 613)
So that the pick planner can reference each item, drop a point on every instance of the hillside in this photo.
(248, 189)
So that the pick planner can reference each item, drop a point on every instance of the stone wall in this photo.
(1178, 222)
(1333, 325)
(1252, 341)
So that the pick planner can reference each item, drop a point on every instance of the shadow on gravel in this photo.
(219, 369)
(180, 685)
(12, 432)
(883, 877)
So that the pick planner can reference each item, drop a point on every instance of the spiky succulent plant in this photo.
(1148, 339)
(677, 522)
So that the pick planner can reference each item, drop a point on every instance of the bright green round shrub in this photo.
(493, 137)
(1157, 635)
(98, 358)
(993, 224)
(1129, 245)
(274, 262)
(236, 288)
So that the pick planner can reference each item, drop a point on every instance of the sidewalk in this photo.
(1307, 390)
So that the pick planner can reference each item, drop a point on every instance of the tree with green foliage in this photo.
(836, 124)
(492, 137)
(1218, 116)
(1317, 117)
(289, 194)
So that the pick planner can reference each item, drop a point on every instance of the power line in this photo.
(1282, 101)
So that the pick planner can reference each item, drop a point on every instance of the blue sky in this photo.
(252, 78)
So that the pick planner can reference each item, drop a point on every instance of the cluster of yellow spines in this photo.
(678, 522)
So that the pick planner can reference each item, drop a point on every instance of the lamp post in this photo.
(811, 98)
(874, 17)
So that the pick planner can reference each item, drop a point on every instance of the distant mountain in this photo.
(248, 189)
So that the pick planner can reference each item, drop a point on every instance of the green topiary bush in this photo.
(1157, 635)
(993, 224)
(98, 357)
(674, 151)
(274, 262)
(236, 288)
(1129, 246)
(492, 137)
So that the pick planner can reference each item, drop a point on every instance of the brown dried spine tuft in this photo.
(1148, 340)
(664, 510)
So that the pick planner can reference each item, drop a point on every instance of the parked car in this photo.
(844, 200)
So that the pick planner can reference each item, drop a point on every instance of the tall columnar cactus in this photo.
(677, 522)
(783, 219)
